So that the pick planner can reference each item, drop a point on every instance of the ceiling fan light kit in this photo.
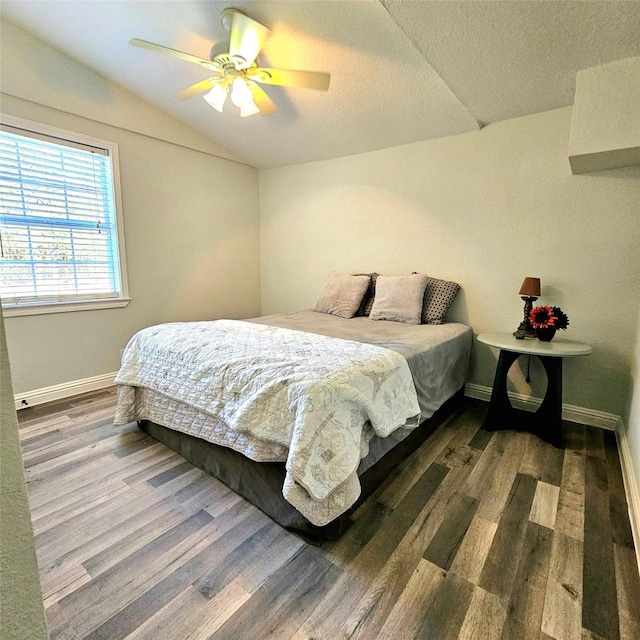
(234, 64)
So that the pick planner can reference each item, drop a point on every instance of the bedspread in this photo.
(309, 394)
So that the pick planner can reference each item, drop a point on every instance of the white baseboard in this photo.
(572, 413)
(631, 487)
(64, 390)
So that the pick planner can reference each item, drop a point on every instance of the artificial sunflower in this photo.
(562, 321)
(542, 317)
(546, 317)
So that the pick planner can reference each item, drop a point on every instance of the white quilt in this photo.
(305, 394)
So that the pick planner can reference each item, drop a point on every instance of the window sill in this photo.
(63, 307)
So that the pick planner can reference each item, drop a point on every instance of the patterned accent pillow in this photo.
(438, 297)
(367, 301)
(342, 294)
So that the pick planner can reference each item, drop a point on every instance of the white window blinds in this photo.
(58, 223)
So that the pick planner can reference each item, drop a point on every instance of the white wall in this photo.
(484, 209)
(190, 219)
(22, 612)
(630, 440)
(633, 431)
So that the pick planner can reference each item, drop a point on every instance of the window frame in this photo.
(85, 304)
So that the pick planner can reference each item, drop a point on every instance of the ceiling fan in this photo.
(234, 66)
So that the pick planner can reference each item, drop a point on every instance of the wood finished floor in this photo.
(477, 535)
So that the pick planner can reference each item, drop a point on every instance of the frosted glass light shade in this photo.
(216, 97)
(242, 97)
(240, 93)
(249, 109)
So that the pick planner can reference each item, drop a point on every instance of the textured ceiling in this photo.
(509, 59)
(400, 71)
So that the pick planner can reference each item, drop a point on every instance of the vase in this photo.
(546, 334)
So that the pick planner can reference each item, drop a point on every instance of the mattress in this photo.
(437, 357)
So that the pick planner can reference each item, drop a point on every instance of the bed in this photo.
(357, 396)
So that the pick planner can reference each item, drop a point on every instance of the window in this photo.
(61, 242)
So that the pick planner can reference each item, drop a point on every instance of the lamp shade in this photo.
(530, 287)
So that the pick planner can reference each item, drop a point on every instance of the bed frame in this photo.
(261, 482)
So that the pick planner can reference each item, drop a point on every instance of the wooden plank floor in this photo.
(477, 535)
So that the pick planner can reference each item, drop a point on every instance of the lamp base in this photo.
(526, 330)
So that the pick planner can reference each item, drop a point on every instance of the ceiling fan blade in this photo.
(144, 44)
(266, 105)
(289, 78)
(198, 89)
(247, 37)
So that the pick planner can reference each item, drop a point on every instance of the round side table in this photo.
(546, 422)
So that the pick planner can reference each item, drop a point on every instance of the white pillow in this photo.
(399, 298)
(342, 294)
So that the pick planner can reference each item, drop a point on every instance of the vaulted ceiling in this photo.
(401, 71)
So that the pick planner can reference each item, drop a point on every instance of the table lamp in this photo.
(529, 291)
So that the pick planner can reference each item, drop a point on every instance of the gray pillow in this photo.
(438, 296)
(342, 294)
(399, 298)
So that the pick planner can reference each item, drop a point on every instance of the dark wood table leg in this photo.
(500, 415)
(547, 420)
